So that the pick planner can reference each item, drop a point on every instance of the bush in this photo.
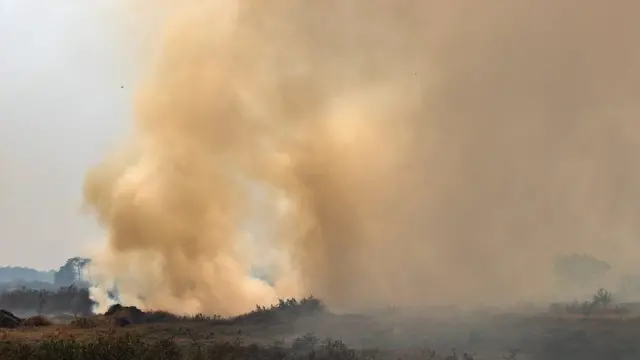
(164, 317)
(37, 321)
(602, 298)
(283, 311)
(600, 304)
(161, 317)
(84, 323)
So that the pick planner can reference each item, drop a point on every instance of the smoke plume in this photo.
(413, 152)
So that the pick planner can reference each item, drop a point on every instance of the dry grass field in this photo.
(296, 330)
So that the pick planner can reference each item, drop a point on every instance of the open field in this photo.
(280, 333)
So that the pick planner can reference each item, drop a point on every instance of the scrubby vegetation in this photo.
(283, 311)
(303, 329)
(110, 346)
(602, 303)
(84, 323)
(36, 321)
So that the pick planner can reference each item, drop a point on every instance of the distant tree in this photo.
(603, 298)
(581, 270)
(42, 300)
(71, 272)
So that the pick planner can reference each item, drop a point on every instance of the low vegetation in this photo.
(283, 311)
(36, 321)
(71, 299)
(602, 303)
(275, 332)
(110, 346)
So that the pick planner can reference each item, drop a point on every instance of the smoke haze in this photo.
(406, 153)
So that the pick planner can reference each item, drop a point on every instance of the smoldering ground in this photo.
(414, 152)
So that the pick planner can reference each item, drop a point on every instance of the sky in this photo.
(64, 102)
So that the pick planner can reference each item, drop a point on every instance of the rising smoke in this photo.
(406, 152)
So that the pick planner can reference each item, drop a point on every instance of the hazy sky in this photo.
(61, 108)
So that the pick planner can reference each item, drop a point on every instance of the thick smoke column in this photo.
(414, 152)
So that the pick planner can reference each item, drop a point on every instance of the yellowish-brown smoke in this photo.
(405, 152)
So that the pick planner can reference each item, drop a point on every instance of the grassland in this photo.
(297, 330)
